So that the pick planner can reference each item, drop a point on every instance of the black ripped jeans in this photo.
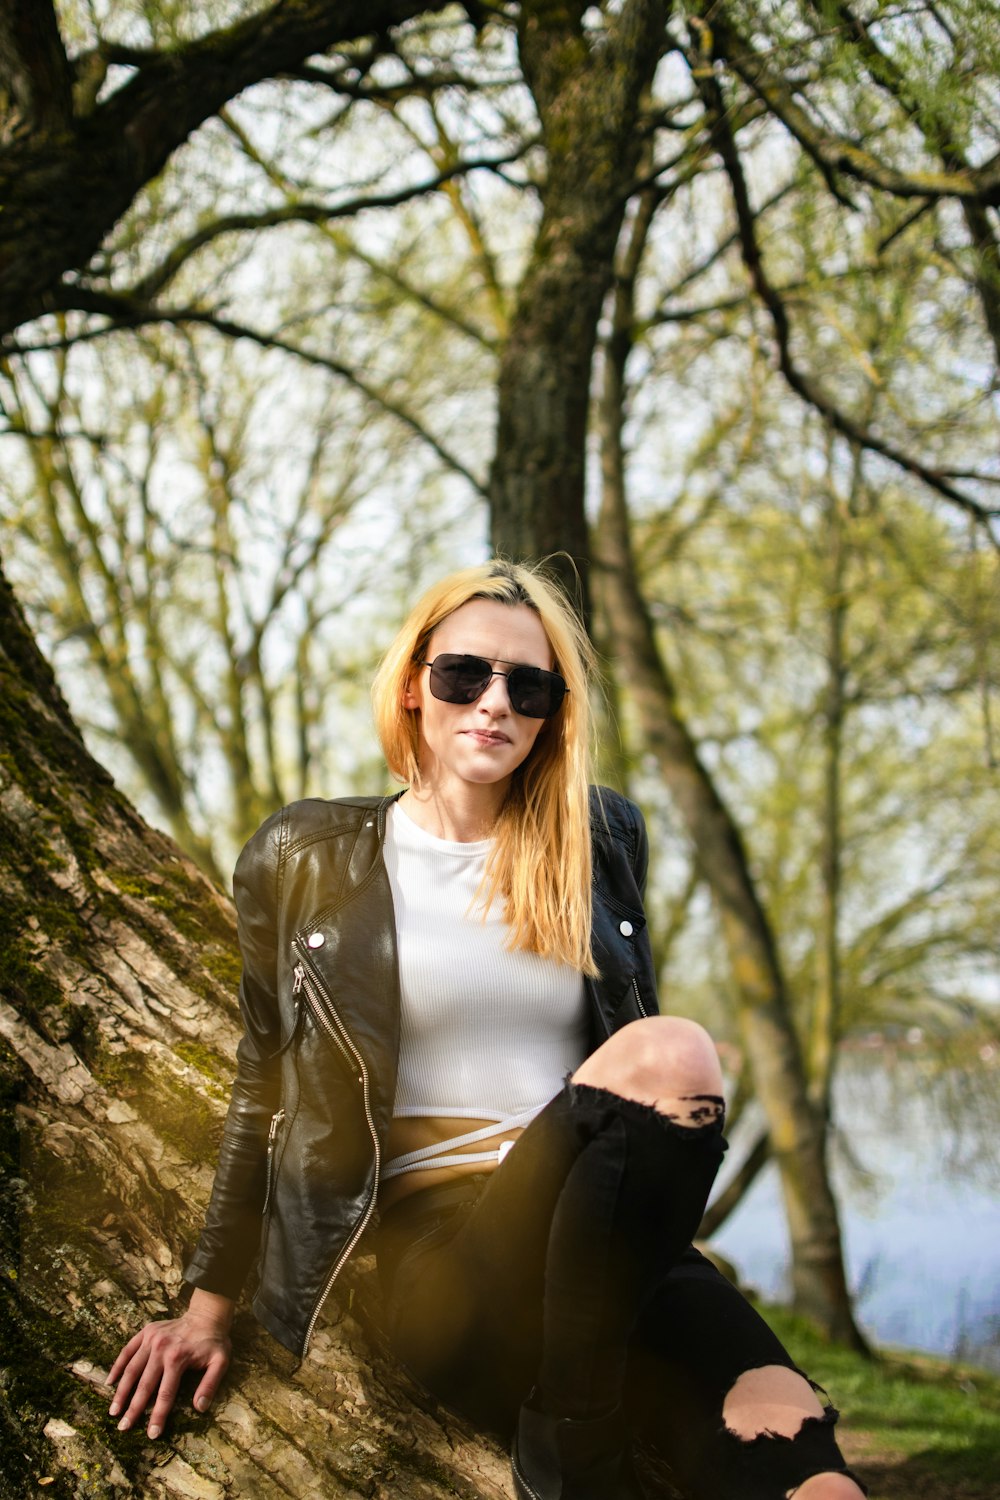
(570, 1269)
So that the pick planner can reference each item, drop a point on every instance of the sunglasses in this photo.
(534, 693)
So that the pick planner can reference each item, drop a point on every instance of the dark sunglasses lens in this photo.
(462, 679)
(458, 679)
(534, 693)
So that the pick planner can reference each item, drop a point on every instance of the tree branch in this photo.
(306, 213)
(127, 314)
(738, 1186)
(62, 195)
(804, 386)
(36, 95)
(938, 129)
(834, 153)
(415, 84)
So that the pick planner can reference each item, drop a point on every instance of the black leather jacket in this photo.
(301, 1156)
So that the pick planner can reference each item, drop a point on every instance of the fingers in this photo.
(147, 1375)
(129, 1372)
(169, 1381)
(157, 1380)
(211, 1380)
(123, 1358)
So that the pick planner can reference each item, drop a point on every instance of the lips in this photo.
(486, 737)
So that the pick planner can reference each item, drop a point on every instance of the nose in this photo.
(495, 698)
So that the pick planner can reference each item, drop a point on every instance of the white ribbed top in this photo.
(485, 1033)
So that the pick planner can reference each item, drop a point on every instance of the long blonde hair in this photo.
(540, 862)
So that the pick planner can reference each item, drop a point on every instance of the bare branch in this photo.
(803, 385)
(307, 213)
(126, 314)
(417, 84)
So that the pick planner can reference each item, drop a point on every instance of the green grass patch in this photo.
(931, 1425)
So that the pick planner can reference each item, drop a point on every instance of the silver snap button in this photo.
(369, 824)
(625, 928)
(315, 940)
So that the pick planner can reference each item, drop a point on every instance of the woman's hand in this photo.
(150, 1366)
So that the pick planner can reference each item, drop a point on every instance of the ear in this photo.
(410, 698)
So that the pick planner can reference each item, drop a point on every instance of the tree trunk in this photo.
(796, 1132)
(117, 1031)
(824, 1023)
(587, 98)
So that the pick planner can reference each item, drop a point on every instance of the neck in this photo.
(463, 817)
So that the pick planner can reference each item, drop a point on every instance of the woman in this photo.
(450, 1025)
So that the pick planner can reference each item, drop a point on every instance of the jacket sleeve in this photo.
(231, 1236)
(617, 823)
(640, 849)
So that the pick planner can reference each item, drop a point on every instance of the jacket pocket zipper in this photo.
(272, 1135)
(303, 985)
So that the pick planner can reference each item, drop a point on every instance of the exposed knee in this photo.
(828, 1487)
(772, 1399)
(668, 1062)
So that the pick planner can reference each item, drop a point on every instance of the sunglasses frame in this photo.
(489, 672)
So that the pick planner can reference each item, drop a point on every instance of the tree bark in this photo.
(587, 95)
(117, 1032)
(36, 91)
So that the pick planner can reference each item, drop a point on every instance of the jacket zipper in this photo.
(335, 1029)
(337, 1035)
(276, 1120)
(638, 998)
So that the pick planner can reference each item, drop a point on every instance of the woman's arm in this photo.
(150, 1366)
(230, 1237)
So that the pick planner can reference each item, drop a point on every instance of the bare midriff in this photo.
(428, 1130)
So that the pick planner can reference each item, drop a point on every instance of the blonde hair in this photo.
(540, 862)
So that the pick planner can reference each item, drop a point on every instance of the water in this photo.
(921, 1236)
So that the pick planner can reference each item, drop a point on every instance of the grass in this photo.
(911, 1425)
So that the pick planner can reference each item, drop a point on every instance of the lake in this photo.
(921, 1236)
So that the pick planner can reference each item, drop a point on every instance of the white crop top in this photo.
(485, 1033)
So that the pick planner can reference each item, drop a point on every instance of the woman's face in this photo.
(484, 742)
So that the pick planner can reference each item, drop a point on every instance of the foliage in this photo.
(910, 1423)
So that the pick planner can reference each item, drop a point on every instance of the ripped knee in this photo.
(774, 1402)
(667, 1062)
(771, 1401)
(828, 1486)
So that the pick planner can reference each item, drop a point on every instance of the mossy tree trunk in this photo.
(117, 1031)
